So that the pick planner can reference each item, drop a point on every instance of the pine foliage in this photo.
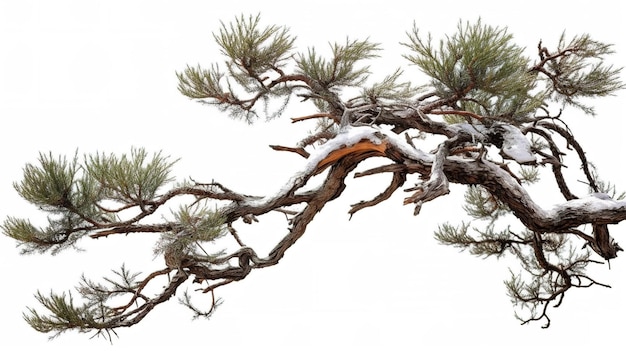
(580, 71)
(483, 90)
(482, 63)
(76, 195)
(342, 69)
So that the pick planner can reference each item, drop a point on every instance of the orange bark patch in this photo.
(359, 149)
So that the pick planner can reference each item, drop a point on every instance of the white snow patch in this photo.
(516, 145)
(595, 202)
(601, 196)
(346, 138)
(475, 130)
(352, 135)
(401, 144)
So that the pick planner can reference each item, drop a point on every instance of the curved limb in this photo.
(341, 159)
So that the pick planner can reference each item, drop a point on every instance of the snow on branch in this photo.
(477, 76)
(511, 141)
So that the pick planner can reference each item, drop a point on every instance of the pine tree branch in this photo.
(571, 141)
(477, 73)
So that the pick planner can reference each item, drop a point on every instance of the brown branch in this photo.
(386, 168)
(603, 243)
(438, 169)
(139, 289)
(117, 210)
(579, 150)
(416, 118)
(546, 57)
(396, 182)
(316, 115)
(133, 228)
(556, 166)
(248, 104)
(235, 235)
(550, 283)
(537, 244)
(437, 184)
(506, 188)
(362, 148)
(129, 226)
(211, 288)
(457, 112)
(332, 188)
(321, 135)
(300, 151)
(141, 312)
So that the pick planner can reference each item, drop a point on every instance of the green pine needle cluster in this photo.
(529, 174)
(486, 242)
(95, 313)
(50, 184)
(256, 70)
(342, 69)
(252, 49)
(481, 65)
(480, 204)
(390, 89)
(479, 68)
(530, 288)
(255, 55)
(199, 83)
(580, 72)
(64, 315)
(477, 72)
(130, 179)
(194, 226)
(79, 197)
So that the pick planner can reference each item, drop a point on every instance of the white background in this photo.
(101, 76)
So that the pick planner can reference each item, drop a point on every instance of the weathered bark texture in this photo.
(370, 125)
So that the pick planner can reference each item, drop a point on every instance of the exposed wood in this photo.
(362, 148)
(461, 156)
